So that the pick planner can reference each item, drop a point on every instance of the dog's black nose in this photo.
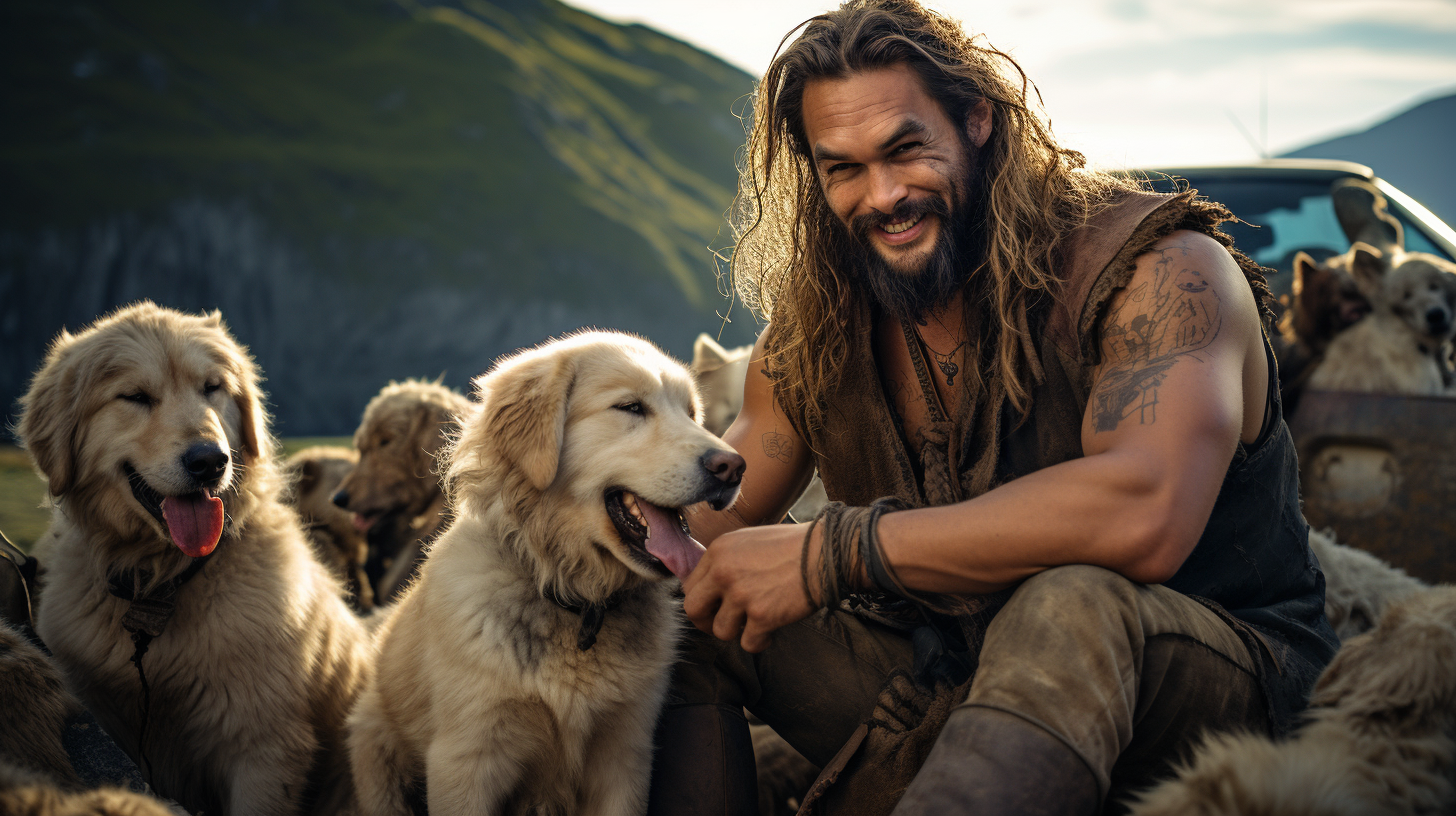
(341, 499)
(205, 462)
(1438, 320)
(726, 466)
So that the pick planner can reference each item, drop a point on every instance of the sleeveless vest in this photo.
(1252, 565)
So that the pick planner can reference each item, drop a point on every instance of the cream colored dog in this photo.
(150, 429)
(524, 670)
(1402, 346)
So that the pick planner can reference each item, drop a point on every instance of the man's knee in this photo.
(1073, 597)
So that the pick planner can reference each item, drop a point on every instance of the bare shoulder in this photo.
(1186, 302)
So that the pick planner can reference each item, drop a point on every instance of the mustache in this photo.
(933, 204)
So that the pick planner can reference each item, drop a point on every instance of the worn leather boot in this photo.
(704, 764)
(987, 762)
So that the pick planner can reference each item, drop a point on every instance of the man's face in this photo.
(893, 166)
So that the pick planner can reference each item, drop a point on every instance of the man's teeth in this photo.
(896, 229)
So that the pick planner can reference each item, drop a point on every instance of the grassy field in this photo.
(23, 511)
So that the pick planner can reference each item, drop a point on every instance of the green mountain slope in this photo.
(368, 189)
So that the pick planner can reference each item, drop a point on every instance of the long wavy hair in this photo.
(787, 265)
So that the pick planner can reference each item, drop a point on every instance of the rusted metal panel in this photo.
(1381, 471)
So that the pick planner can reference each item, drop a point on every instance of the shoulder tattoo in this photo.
(1150, 326)
(778, 446)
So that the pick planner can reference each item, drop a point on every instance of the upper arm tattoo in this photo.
(1175, 314)
(778, 446)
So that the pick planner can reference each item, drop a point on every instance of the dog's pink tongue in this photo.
(667, 541)
(195, 522)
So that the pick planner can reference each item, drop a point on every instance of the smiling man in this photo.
(1065, 537)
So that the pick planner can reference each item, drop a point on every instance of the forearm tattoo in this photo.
(778, 446)
(1177, 314)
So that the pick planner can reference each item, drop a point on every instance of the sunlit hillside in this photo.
(368, 189)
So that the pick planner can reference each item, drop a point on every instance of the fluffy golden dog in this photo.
(394, 491)
(1381, 737)
(314, 475)
(524, 670)
(149, 427)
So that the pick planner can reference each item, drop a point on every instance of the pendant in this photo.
(949, 369)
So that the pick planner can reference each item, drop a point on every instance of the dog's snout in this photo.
(726, 466)
(341, 498)
(206, 462)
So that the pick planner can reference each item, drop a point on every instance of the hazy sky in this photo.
(1143, 82)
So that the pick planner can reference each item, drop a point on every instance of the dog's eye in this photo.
(384, 443)
(211, 388)
(138, 397)
(632, 408)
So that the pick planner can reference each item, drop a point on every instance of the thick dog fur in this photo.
(251, 680)
(1358, 586)
(23, 793)
(1402, 345)
(482, 693)
(1381, 737)
(394, 491)
(34, 706)
(313, 475)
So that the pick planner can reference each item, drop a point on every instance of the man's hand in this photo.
(748, 584)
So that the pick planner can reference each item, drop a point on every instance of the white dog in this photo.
(524, 671)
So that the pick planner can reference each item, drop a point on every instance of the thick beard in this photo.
(909, 294)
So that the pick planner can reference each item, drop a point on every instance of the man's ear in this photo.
(978, 122)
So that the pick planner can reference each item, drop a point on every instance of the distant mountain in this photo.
(1415, 151)
(367, 189)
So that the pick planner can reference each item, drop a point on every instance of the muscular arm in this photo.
(779, 464)
(1179, 384)
(1181, 381)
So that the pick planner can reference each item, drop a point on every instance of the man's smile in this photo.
(904, 231)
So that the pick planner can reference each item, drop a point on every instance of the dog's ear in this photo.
(48, 420)
(708, 355)
(1368, 266)
(1306, 273)
(1361, 211)
(249, 398)
(525, 413)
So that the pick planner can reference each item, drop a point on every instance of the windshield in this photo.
(1285, 216)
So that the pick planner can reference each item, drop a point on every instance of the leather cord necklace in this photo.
(146, 617)
(945, 362)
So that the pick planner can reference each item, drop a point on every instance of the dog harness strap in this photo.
(593, 616)
(150, 612)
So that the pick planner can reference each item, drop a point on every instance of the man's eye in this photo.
(837, 168)
(907, 147)
(138, 397)
(631, 408)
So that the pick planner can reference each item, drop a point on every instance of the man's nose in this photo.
(886, 189)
